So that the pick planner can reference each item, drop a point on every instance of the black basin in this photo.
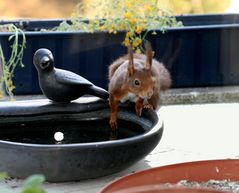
(88, 149)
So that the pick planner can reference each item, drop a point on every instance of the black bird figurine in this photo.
(60, 85)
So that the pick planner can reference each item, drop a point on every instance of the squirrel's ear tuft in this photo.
(149, 55)
(131, 61)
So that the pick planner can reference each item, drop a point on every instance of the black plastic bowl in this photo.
(88, 149)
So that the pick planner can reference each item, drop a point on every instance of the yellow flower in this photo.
(129, 5)
(133, 21)
(111, 31)
(129, 34)
(102, 28)
(139, 29)
(126, 42)
(137, 42)
(128, 15)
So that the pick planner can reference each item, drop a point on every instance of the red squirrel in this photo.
(138, 78)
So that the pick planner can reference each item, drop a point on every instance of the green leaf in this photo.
(33, 184)
(34, 180)
(33, 190)
(3, 175)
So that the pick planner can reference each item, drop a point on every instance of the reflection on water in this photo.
(69, 132)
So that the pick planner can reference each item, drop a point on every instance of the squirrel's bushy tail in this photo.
(165, 78)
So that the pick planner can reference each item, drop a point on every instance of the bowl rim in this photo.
(16, 105)
(158, 126)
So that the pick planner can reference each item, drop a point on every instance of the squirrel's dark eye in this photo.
(137, 82)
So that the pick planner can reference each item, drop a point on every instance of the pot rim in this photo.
(109, 186)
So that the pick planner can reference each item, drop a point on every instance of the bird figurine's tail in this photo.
(99, 92)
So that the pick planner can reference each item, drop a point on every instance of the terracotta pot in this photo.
(193, 171)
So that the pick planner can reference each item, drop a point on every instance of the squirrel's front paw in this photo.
(113, 124)
(148, 106)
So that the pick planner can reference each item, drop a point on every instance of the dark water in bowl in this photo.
(68, 132)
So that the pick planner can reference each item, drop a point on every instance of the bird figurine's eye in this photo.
(45, 64)
(136, 82)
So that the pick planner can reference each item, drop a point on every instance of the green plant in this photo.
(136, 17)
(8, 66)
(33, 184)
(3, 175)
